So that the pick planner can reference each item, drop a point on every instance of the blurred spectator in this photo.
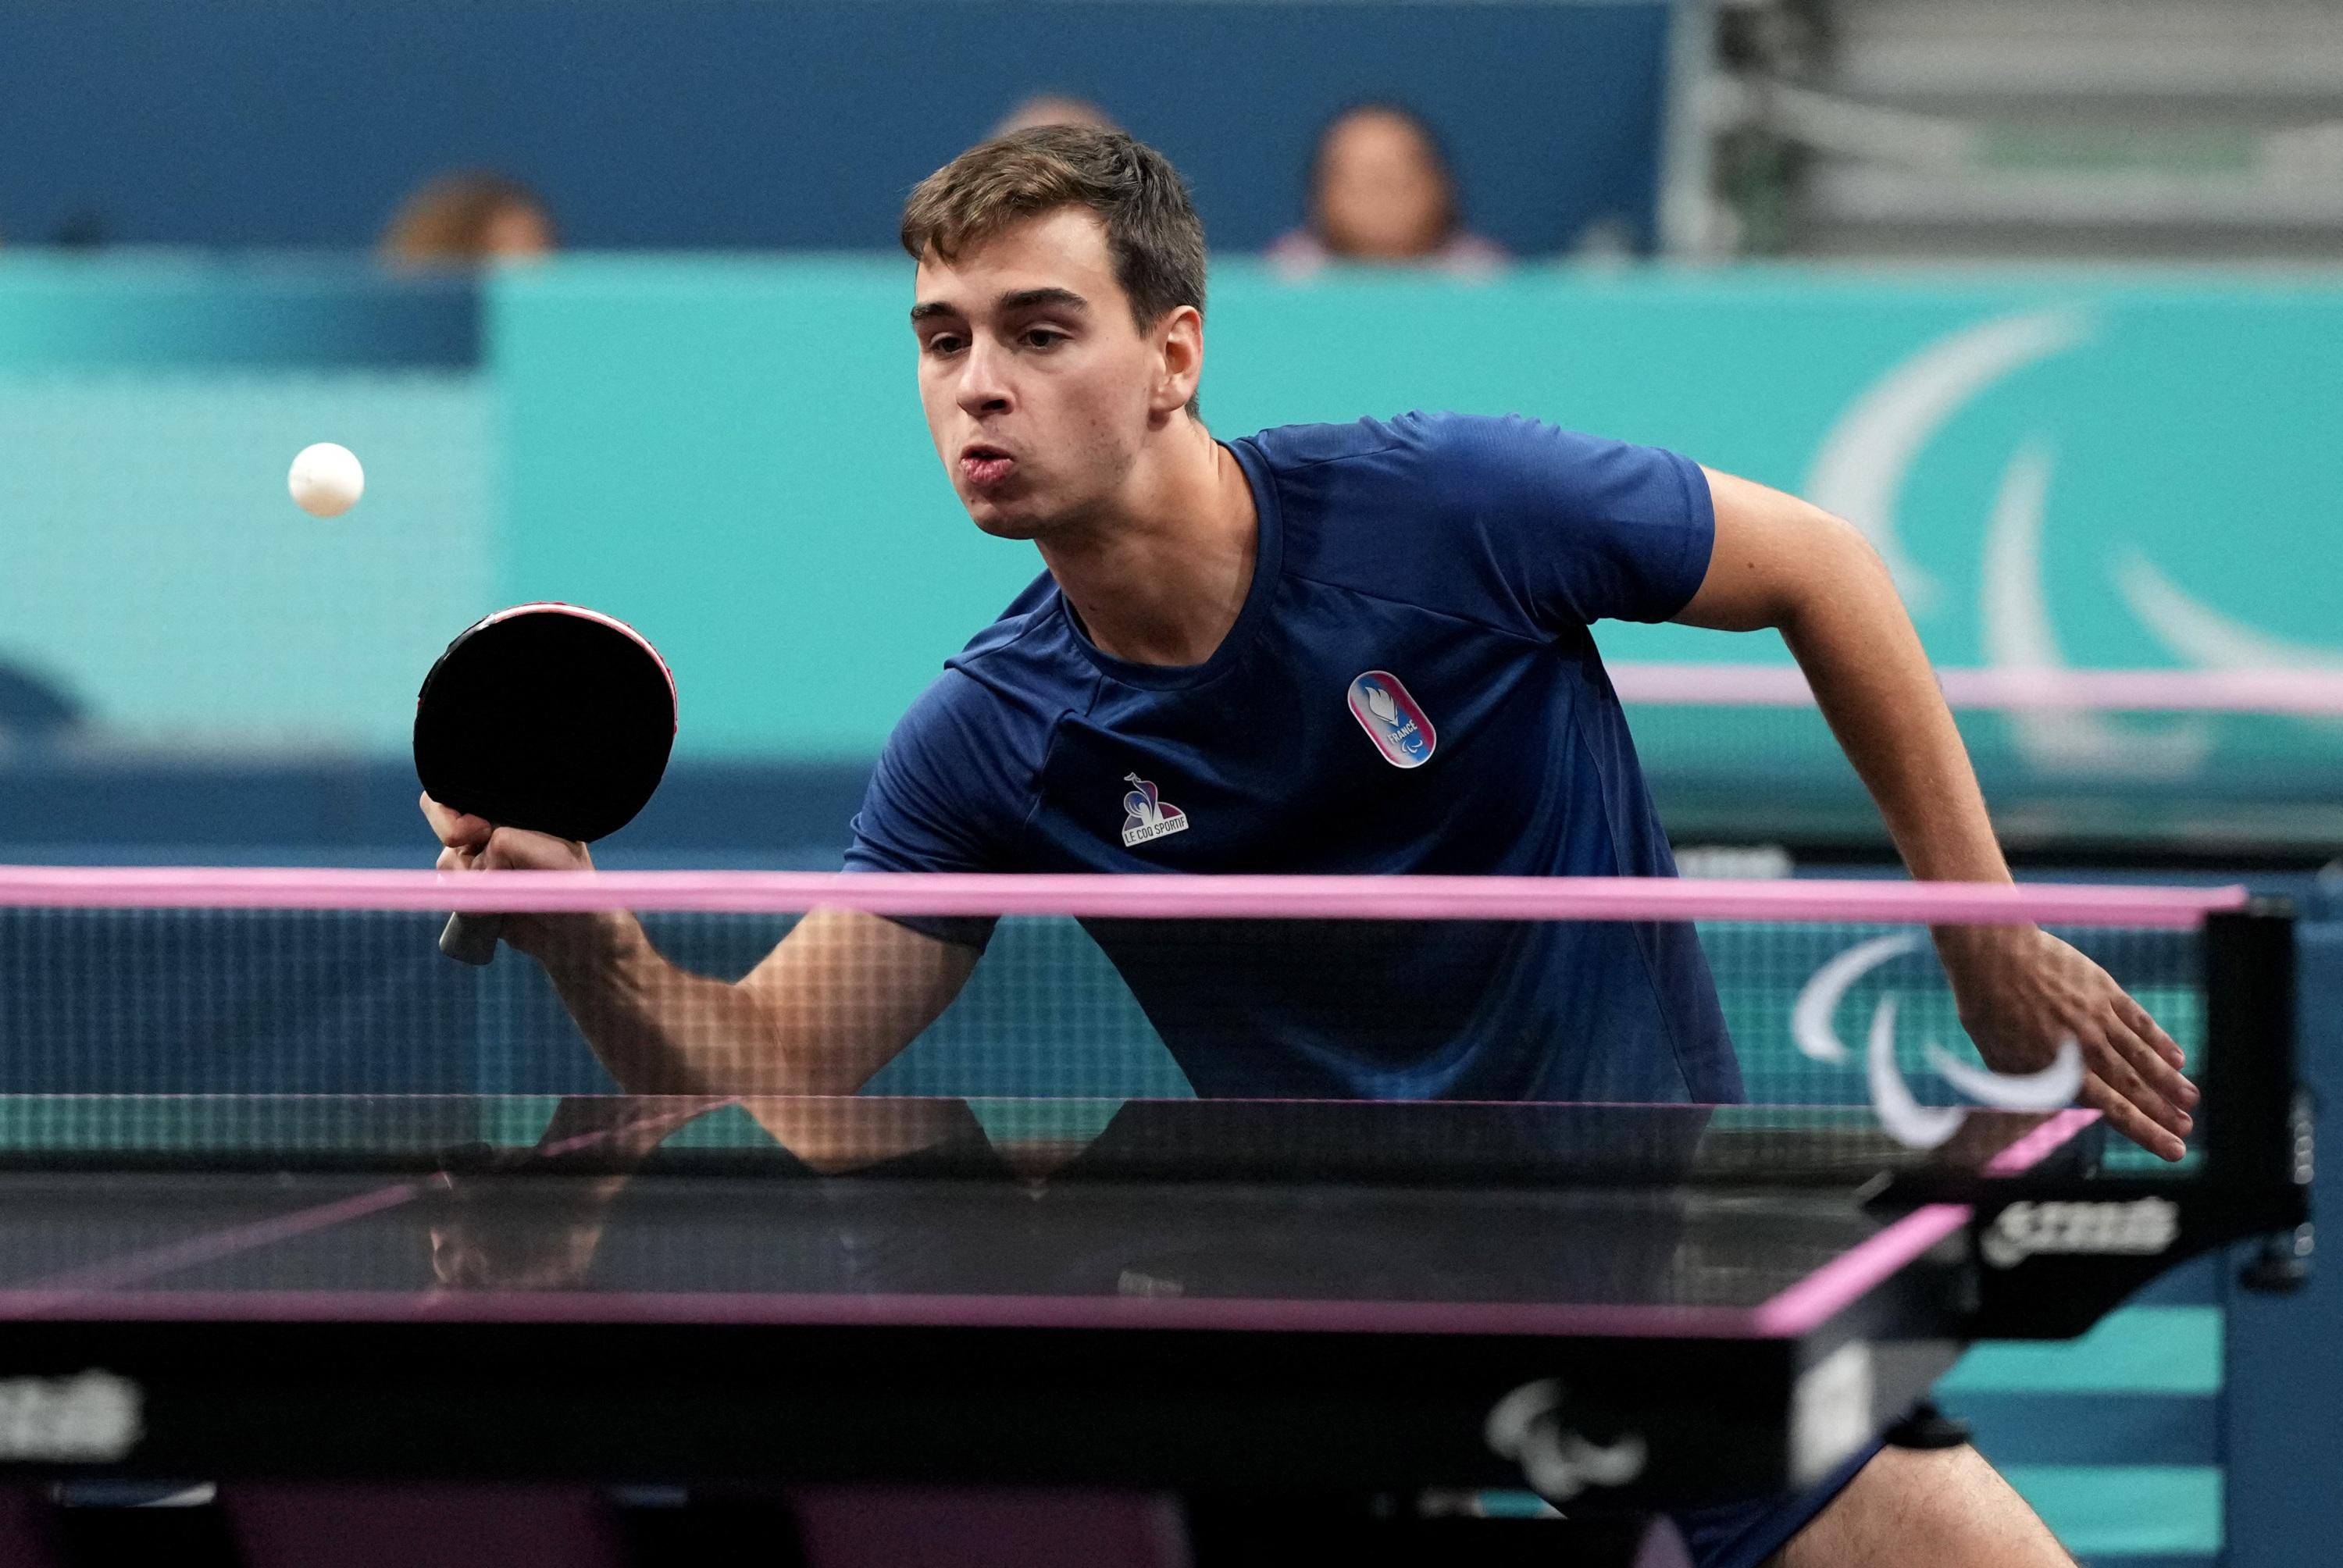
(1055, 109)
(469, 217)
(1380, 190)
(81, 230)
(32, 710)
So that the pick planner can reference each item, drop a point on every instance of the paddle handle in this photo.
(471, 938)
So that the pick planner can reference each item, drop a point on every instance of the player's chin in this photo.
(1004, 517)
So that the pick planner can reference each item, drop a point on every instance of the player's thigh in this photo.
(1936, 1508)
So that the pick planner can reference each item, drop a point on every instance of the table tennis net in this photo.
(147, 1019)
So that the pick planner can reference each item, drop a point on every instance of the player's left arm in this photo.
(1780, 562)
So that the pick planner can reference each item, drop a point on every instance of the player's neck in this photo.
(1163, 578)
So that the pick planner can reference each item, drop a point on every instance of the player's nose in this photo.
(984, 387)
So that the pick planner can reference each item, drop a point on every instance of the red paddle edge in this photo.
(556, 607)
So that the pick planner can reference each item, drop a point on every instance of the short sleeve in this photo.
(934, 802)
(1577, 529)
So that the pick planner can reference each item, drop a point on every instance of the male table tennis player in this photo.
(1338, 648)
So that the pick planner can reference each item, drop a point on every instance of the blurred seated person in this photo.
(1380, 192)
(32, 708)
(465, 219)
(1054, 109)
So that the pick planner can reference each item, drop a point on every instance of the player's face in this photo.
(1040, 389)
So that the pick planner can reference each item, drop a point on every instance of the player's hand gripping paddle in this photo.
(546, 717)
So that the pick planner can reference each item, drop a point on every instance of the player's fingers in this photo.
(2155, 1069)
(2130, 1120)
(453, 827)
(2117, 1061)
(2140, 1022)
(499, 851)
(519, 849)
(442, 818)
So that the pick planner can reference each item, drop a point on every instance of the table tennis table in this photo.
(1624, 1309)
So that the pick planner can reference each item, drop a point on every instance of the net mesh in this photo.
(189, 1002)
(2142, 760)
(320, 1034)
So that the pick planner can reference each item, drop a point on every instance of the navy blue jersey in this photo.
(1410, 688)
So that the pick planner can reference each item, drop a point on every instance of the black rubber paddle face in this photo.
(547, 718)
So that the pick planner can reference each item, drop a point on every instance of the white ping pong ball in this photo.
(326, 479)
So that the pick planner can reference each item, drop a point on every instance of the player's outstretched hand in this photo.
(2023, 992)
(468, 843)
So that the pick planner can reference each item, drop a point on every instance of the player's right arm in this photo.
(833, 1003)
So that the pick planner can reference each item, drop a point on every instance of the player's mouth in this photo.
(985, 468)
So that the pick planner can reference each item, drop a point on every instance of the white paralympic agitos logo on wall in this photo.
(1905, 1120)
(1858, 473)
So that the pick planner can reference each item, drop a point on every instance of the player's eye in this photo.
(1045, 338)
(944, 343)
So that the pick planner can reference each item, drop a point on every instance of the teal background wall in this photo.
(2067, 470)
(2093, 472)
(731, 457)
(733, 454)
(156, 569)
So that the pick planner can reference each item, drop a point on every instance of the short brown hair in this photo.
(1152, 232)
(447, 218)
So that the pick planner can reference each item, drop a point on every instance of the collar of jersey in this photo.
(1269, 550)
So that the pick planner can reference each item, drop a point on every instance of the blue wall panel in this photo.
(741, 122)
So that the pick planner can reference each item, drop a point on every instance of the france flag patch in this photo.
(1392, 719)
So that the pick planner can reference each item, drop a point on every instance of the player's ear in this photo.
(1180, 354)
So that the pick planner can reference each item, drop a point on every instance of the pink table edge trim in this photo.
(1110, 895)
(2025, 1154)
(1838, 1284)
(1854, 1273)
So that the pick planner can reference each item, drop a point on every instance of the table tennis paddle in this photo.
(547, 717)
